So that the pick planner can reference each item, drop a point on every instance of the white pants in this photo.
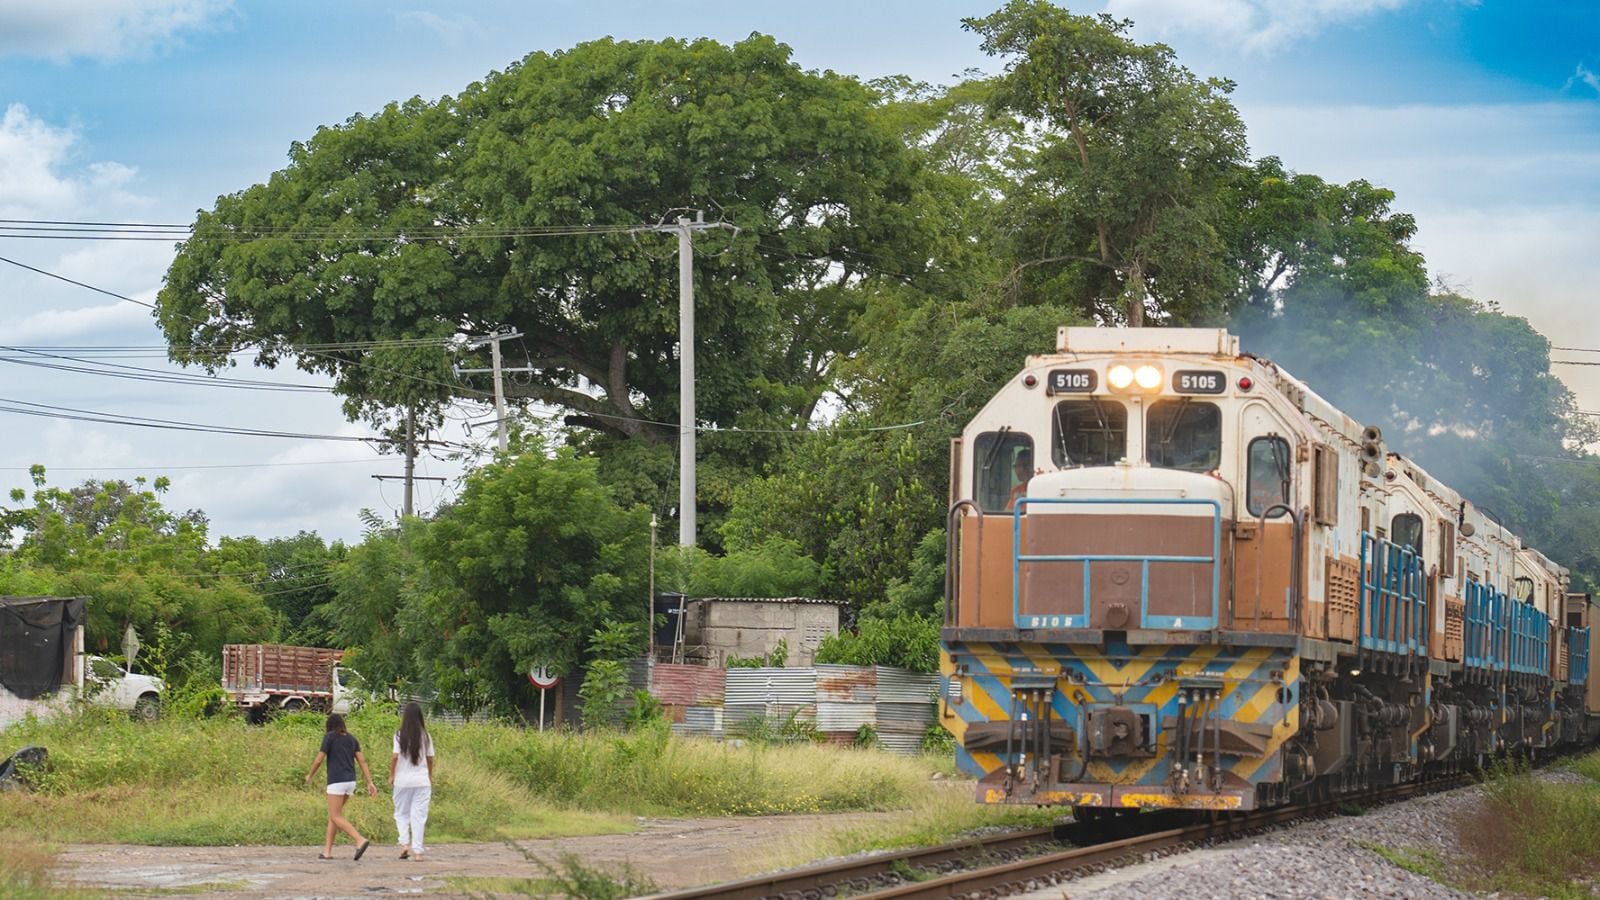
(411, 814)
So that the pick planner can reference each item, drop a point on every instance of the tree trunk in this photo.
(1135, 293)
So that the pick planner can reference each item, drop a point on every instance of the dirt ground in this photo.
(673, 853)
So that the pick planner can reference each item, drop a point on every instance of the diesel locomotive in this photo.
(1179, 578)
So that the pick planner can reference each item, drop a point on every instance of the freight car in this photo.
(1179, 578)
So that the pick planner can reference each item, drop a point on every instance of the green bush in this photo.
(908, 641)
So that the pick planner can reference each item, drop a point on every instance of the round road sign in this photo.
(542, 678)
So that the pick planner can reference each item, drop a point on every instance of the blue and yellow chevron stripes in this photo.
(1260, 686)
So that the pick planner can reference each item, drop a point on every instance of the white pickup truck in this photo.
(108, 684)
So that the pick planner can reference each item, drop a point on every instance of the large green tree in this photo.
(472, 214)
(1121, 211)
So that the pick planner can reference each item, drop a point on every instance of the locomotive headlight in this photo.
(1120, 377)
(1147, 377)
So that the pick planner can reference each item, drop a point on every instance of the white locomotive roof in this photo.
(1209, 341)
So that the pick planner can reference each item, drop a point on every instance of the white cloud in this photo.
(101, 29)
(1585, 75)
(37, 178)
(85, 325)
(1256, 26)
(454, 32)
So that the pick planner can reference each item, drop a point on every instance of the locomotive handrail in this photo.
(1087, 560)
(952, 569)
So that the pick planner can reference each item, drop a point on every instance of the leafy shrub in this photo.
(936, 740)
(908, 641)
(866, 737)
(777, 567)
(646, 711)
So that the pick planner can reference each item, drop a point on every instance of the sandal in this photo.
(363, 848)
(323, 856)
(406, 853)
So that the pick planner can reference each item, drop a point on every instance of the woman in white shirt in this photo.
(411, 777)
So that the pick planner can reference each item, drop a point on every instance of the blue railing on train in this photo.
(1486, 627)
(1530, 640)
(1577, 655)
(1394, 606)
(1146, 620)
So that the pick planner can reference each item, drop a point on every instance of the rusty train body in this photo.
(1179, 578)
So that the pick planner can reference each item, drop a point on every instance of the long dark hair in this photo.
(336, 723)
(412, 732)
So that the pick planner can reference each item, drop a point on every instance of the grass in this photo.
(1416, 860)
(1535, 837)
(569, 878)
(207, 782)
(25, 869)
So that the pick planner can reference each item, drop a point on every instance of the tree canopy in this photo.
(513, 206)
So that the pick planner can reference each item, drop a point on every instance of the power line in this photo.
(48, 411)
(453, 388)
(49, 229)
(157, 468)
(141, 373)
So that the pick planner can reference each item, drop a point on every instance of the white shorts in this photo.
(342, 787)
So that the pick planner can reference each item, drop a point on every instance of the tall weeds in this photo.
(1534, 836)
(220, 781)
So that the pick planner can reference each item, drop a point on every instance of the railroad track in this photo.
(1019, 861)
(861, 875)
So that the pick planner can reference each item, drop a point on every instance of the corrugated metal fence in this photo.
(839, 701)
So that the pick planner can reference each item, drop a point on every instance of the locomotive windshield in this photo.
(1088, 433)
(1002, 463)
(1406, 530)
(1184, 434)
(1267, 478)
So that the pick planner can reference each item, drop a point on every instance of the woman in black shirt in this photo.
(342, 751)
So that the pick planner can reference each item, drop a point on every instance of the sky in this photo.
(1483, 118)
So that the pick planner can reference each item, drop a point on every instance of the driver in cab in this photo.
(1022, 468)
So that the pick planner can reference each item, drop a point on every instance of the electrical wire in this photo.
(454, 388)
(48, 411)
(49, 229)
(156, 468)
(140, 373)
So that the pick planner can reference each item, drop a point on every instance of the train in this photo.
(1178, 578)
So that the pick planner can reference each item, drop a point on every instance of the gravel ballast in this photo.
(1327, 858)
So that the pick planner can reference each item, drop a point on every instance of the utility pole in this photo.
(493, 340)
(407, 508)
(685, 228)
(411, 459)
(650, 607)
(686, 420)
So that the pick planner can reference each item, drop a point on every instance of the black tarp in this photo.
(36, 641)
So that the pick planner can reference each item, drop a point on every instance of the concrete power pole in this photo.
(408, 506)
(686, 420)
(411, 460)
(493, 340)
(685, 228)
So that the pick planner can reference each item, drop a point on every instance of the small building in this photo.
(718, 629)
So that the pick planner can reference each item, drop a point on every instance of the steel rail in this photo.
(886, 876)
(859, 874)
(1042, 871)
